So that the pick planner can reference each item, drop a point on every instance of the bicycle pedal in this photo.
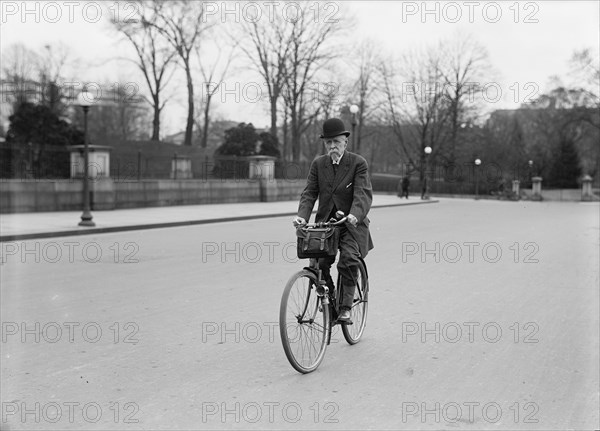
(346, 322)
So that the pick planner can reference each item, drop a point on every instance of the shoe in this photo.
(344, 316)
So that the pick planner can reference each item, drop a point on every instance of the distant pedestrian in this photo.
(424, 186)
(501, 193)
(405, 186)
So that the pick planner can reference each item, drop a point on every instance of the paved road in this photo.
(176, 328)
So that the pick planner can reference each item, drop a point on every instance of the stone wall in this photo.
(66, 195)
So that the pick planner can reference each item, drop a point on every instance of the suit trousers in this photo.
(347, 266)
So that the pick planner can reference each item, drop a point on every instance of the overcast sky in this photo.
(528, 42)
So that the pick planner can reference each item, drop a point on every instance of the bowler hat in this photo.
(334, 127)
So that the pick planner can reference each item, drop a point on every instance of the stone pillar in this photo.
(515, 190)
(181, 167)
(98, 161)
(586, 188)
(536, 189)
(262, 168)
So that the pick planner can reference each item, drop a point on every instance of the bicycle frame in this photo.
(328, 298)
(309, 310)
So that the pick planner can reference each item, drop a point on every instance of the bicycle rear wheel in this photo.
(303, 322)
(360, 305)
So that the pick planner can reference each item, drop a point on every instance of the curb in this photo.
(83, 231)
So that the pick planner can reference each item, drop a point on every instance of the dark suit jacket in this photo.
(349, 190)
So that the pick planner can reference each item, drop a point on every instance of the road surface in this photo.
(482, 315)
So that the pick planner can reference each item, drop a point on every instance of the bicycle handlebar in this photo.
(332, 222)
(325, 223)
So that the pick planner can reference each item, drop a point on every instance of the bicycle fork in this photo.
(323, 292)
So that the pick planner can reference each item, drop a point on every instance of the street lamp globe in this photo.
(355, 144)
(85, 99)
(428, 150)
(477, 162)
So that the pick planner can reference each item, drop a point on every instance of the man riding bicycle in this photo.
(340, 181)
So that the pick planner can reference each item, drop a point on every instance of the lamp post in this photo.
(530, 164)
(354, 111)
(425, 191)
(85, 100)
(477, 163)
(30, 171)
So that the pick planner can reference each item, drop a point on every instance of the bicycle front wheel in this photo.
(360, 306)
(303, 322)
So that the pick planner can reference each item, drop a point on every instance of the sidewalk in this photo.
(23, 226)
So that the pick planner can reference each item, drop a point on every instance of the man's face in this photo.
(336, 146)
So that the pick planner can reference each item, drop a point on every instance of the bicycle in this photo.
(309, 311)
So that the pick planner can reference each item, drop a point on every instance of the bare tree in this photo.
(586, 73)
(287, 51)
(416, 107)
(20, 74)
(564, 117)
(130, 115)
(267, 48)
(325, 98)
(214, 75)
(50, 69)
(464, 64)
(584, 64)
(430, 96)
(119, 115)
(308, 51)
(393, 115)
(182, 23)
(366, 60)
(154, 59)
(35, 76)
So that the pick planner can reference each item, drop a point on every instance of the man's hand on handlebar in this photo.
(352, 220)
(298, 221)
(339, 215)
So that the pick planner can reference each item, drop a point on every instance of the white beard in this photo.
(335, 157)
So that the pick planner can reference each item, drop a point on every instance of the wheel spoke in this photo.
(304, 328)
